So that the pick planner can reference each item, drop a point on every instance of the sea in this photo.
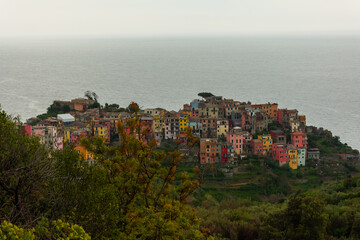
(318, 75)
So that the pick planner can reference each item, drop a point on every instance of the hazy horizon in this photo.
(170, 18)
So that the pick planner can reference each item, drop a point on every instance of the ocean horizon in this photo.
(319, 75)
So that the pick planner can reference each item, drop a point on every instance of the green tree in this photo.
(43, 230)
(25, 167)
(303, 218)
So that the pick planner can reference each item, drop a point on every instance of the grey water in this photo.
(319, 76)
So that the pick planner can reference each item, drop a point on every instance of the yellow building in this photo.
(222, 128)
(158, 125)
(101, 128)
(67, 136)
(84, 152)
(293, 157)
(267, 143)
(100, 131)
(187, 112)
(183, 119)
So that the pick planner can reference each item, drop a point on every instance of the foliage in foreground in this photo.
(126, 193)
(43, 230)
(331, 212)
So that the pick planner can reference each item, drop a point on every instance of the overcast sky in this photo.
(128, 18)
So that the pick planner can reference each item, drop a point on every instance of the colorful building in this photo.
(183, 120)
(293, 157)
(207, 151)
(285, 116)
(271, 109)
(237, 138)
(27, 130)
(294, 125)
(257, 147)
(313, 153)
(299, 139)
(81, 104)
(146, 123)
(222, 127)
(101, 128)
(280, 153)
(158, 127)
(84, 152)
(267, 143)
(195, 125)
(278, 136)
(301, 156)
(154, 111)
(48, 136)
(209, 128)
(222, 152)
(209, 110)
(171, 125)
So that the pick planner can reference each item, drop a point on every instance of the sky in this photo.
(133, 18)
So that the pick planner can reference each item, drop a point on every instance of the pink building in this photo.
(48, 136)
(257, 147)
(237, 138)
(59, 143)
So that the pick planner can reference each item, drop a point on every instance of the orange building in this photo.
(271, 109)
(207, 151)
(84, 152)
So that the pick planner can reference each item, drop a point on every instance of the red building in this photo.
(299, 139)
(195, 113)
(27, 130)
(224, 153)
(257, 147)
(280, 153)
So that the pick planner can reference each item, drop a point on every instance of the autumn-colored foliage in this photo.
(150, 201)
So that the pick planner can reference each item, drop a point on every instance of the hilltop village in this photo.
(228, 130)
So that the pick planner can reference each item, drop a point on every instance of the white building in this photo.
(301, 156)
